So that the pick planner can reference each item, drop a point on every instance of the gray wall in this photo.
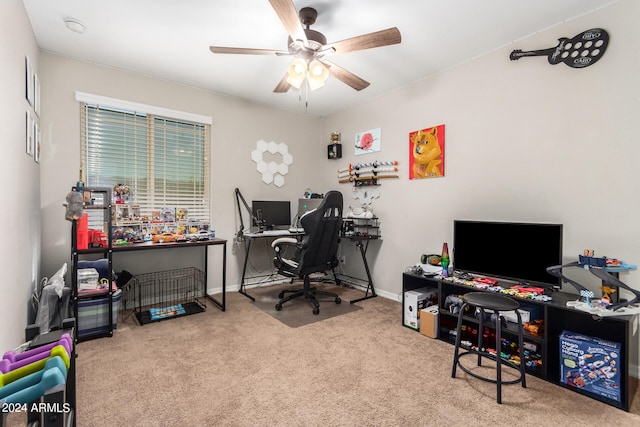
(20, 175)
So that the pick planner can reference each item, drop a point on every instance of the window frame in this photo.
(167, 122)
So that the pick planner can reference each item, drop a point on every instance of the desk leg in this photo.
(244, 271)
(220, 304)
(363, 252)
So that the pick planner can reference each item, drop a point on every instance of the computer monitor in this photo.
(272, 213)
(306, 205)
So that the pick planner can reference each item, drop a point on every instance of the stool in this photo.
(497, 303)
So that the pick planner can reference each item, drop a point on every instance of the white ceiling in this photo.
(170, 39)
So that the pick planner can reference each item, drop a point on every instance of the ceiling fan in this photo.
(309, 47)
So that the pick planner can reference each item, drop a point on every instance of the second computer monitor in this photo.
(272, 214)
(306, 205)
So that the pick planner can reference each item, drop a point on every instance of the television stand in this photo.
(543, 345)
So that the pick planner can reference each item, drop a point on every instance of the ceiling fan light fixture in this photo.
(296, 73)
(317, 74)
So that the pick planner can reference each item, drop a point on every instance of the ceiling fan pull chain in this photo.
(306, 96)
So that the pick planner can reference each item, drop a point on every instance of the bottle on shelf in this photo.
(80, 184)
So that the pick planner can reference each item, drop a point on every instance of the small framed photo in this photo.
(36, 142)
(36, 94)
(28, 69)
(29, 134)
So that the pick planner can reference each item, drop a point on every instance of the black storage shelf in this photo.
(104, 208)
(557, 318)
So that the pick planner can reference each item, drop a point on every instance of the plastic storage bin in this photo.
(93, 314)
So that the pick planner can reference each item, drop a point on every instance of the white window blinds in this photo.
(164, 161)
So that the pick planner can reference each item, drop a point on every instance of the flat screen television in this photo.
(272, 213)
(509, 250)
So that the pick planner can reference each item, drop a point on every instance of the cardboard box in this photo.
(591, 364)
(429, 321)
(416, 300)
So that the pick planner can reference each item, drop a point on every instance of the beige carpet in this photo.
(299, 311)
(242, 367)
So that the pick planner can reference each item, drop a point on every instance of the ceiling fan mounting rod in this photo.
(308, 16)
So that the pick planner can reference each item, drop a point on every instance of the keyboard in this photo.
(275, 232)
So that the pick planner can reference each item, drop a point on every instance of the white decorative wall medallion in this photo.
(272, 172)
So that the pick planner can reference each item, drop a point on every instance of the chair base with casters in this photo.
(495, 303)
(309, 293)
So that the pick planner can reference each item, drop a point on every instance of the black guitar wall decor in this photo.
(581, 51)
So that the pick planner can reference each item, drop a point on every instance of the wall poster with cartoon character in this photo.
(426, 153)
(368, 142)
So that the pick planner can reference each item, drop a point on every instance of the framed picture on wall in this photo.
(29, 134)
(36, 94)
(36, 142)
(367, 142)
(28, 70)
(426, 153)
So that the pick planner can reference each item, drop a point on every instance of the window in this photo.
(163, 160)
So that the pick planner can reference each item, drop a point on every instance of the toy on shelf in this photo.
(602, 268)
(121, 193)
(334, 150)
(535, 328)
(588, 260)
(606, 292)
(364, 212)
(587, 295)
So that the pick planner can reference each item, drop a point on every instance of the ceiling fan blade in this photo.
(345, 76)
(367, 41)
(246, 51)
(283, 86)
(289, 16)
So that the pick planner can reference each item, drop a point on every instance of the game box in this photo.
(591, 364)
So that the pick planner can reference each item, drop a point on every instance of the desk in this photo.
(362, 243)
(203, 244)
(362, 248)
(248, 238)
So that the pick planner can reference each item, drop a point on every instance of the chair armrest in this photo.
(284, 241)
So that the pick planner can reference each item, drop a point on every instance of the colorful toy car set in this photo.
(491, 285)
(509, 350)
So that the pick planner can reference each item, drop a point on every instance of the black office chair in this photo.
(315, 253)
